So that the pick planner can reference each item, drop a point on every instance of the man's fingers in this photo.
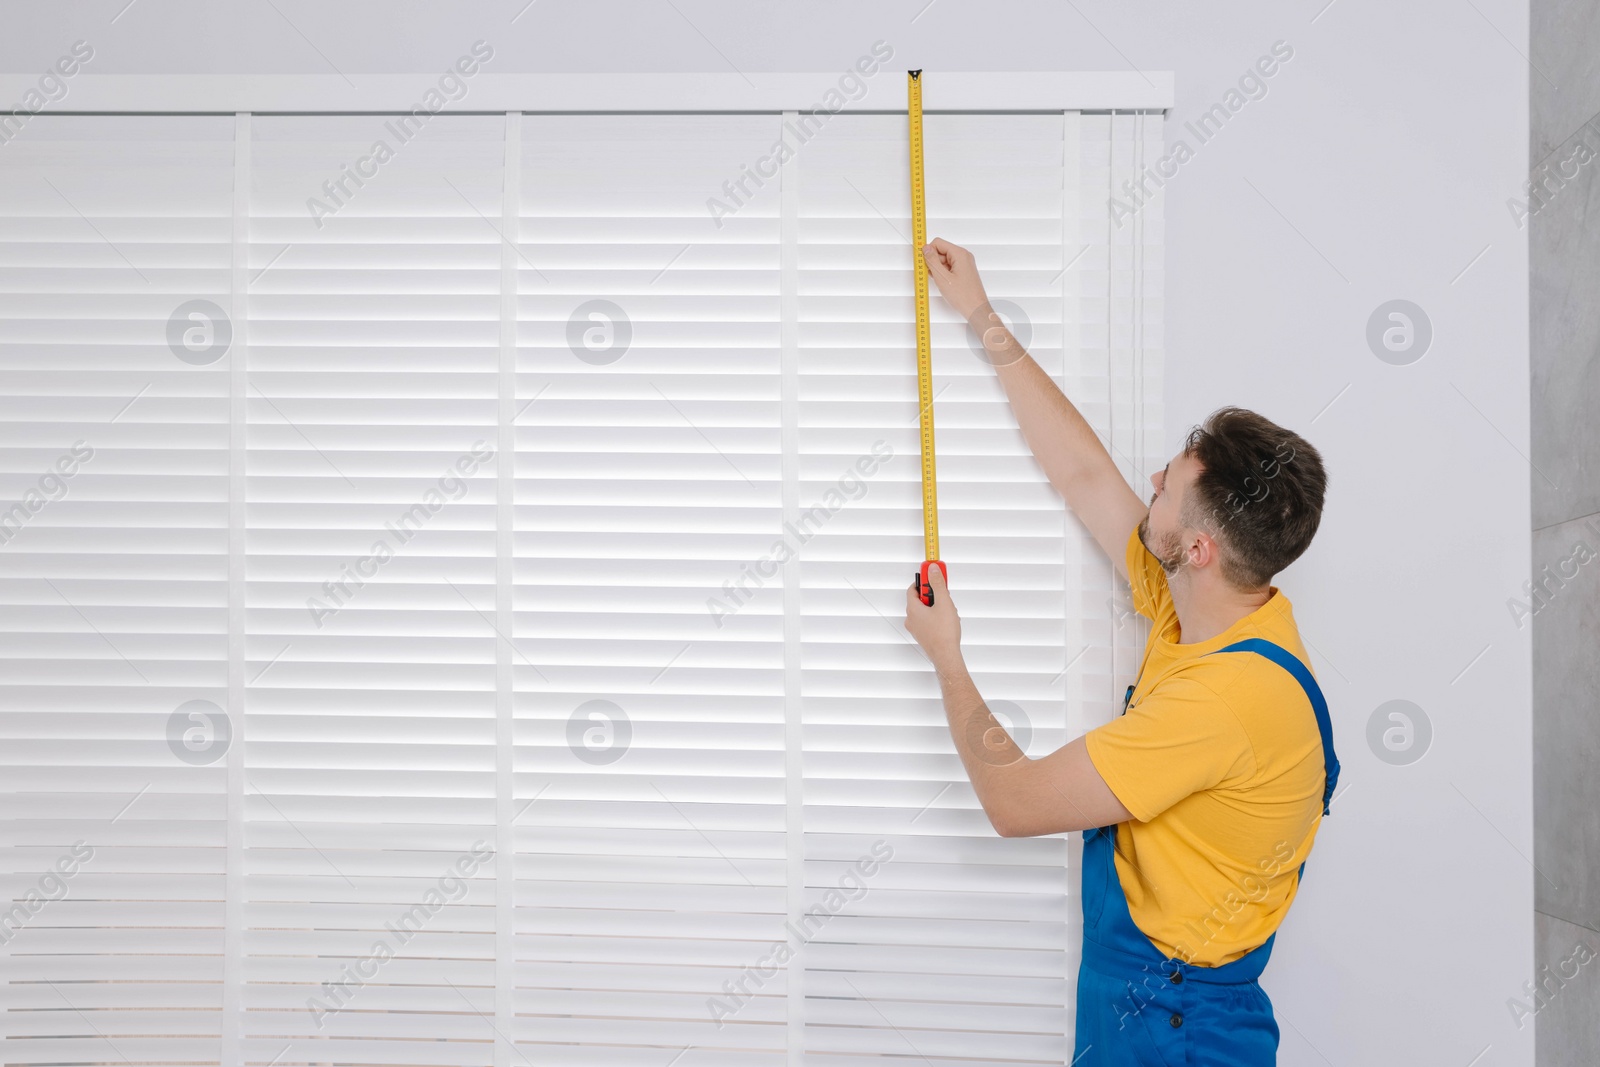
(946, 255)
(953, 254)
(936, 579)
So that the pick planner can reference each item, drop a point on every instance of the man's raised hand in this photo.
(955, 272)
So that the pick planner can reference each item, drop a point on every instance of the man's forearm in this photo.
(987, 750)
(1061, 439)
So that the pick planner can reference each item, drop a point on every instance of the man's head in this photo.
(1244, 496)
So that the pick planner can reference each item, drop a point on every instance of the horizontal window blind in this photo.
(369, 728)
(959, 947)
(114, 576)
(649, 726)
(470, 630)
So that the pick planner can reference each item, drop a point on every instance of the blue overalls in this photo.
(1137, 1006)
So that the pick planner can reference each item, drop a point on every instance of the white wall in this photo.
(1377, 167)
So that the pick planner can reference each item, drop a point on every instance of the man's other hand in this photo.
(936, 626)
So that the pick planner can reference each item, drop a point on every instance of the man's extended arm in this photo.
(1022, 797)
(1064, 444)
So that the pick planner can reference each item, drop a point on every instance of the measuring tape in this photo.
(919, 271)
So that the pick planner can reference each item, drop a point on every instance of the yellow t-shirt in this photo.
(1220, 763)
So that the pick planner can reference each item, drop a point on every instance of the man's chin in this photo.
(1166, 565)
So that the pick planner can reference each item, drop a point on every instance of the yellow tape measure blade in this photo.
(919, 239)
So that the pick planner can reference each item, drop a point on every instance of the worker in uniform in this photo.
(1200, 801)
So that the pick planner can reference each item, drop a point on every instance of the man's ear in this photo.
(1205, 550)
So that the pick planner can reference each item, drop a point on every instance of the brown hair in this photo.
(1261, 486)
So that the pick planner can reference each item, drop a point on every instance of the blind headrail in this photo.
(489, 92)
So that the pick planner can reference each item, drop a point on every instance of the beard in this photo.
(1169, 553)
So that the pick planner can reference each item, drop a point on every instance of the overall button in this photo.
(1177, 977)
(1176, 1020)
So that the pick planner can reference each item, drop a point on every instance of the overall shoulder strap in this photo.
(1289, 662)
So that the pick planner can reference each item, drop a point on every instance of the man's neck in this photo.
(1207, 611)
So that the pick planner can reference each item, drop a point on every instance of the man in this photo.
(1200, 802)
